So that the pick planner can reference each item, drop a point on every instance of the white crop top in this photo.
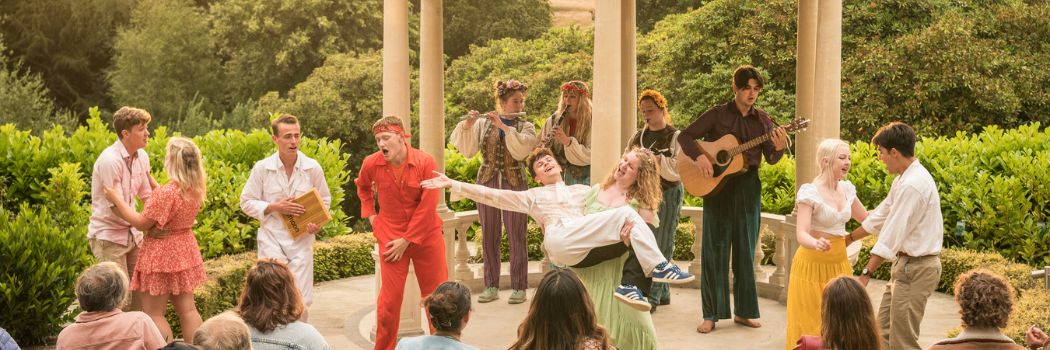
(825, 217)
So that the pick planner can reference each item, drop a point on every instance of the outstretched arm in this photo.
(518, 201)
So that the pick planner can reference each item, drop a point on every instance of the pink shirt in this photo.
(117, 169)
(117, 330)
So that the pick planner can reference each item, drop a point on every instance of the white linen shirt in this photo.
(267, 184)
(909, 219)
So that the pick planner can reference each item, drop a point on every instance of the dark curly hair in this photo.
(447, 306)
(985, 298)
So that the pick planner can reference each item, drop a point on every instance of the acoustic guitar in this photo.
(727, 159)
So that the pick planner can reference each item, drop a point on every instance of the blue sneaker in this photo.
(670, 273)
(633, 297)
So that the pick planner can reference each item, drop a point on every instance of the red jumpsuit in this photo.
(408, 212)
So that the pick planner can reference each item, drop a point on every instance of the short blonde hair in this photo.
(825, 151)
(126, 118)
(389, 120)
(283, 119)
(224, 331)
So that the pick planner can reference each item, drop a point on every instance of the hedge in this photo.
(336, 258)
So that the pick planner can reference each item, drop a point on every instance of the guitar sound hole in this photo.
(722, 158)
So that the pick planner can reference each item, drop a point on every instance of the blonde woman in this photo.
(661, 139)
(824, 207)
(169, 265)
(504, 140)
(635, 182)
(570, 139)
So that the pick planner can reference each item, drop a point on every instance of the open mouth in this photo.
(385, 151)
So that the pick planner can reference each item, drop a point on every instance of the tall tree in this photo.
(271, 45)
(68, 42)
(165, 60)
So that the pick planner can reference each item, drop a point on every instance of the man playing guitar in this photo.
(732, 215)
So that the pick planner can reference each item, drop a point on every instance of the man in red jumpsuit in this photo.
(407, 228)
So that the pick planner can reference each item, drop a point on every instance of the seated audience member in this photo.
(847, 319)
(6, 342)
(449, 310)
(272, 306)
(224, 331)
(102, 290)
(1036, 339)
(985, 301)
(561, 316)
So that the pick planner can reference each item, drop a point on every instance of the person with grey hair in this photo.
(102, 290)
(225, 331)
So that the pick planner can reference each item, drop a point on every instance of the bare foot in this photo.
(706, 327)
(746, 322)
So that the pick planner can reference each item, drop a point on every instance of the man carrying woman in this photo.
(569, 236)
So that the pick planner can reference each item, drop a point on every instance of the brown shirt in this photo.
(726, 119)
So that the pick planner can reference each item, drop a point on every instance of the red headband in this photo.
(396, 129)
(577, 87)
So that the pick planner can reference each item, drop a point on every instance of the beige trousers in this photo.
(912, 280)
(125, 256)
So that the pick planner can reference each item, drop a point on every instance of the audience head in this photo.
(847, 317)
(270, 298)
(449, 307)
(638, 167)
(102, 287)
(224, 331)
(561, 315)
(985, 299)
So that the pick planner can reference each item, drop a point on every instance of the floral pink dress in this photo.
(171, 264)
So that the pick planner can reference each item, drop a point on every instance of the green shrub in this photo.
(560, 55)
(229, 156)
(340, 257)
(44, 249)
(1031, 308)
(955, 262)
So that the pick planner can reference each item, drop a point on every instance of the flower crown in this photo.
(577, 87)
(505, 87)
(656, 96)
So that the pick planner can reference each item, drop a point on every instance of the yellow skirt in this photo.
(810, 271)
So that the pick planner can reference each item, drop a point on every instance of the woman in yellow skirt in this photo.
(824, 207)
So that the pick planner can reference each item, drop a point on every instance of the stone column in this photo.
(396, 98)
(827, 89)
(432, 89)
(818, 97)
(614, 83)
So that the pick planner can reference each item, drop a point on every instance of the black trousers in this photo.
(632, 269)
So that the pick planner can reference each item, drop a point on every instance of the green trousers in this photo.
(670, 211)
(731, 223)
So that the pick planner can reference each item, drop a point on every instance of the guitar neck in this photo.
(749, 145)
